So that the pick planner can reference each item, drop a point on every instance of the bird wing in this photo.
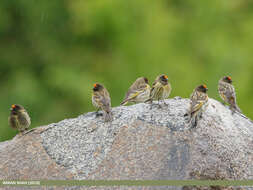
(132, 95)
(230, 94)
(197, 101)
(222, 88)
(106, 101)
(137, 86)
(136, 91)
(24, 119)
(195, 106)
(156, 87)
(13, 122)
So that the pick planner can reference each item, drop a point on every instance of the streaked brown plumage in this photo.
(19, 118)
(227, 92)
(160, 90)
(198, 99)
(101, 100)
(138, 92)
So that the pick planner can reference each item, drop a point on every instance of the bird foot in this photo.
(98, 114)
(194, 125)
(159, 106)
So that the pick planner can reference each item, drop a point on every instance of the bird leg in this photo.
(164, 102)
(159, 104)
(201, 115)
(195, 122)
(151, 106)
(186, 114)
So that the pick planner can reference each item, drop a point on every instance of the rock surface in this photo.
(140, 143)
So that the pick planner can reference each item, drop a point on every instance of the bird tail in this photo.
(124, 102)
(244, 117)
(108, 116)
(148, 100)
(235, 108)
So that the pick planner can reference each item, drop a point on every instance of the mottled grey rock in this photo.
(140, 143)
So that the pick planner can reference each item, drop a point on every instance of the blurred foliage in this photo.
(53, 51)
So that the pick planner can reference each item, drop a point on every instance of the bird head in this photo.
(163, 79)
(16, 108)
(202, 88)
(97, 87)
(227, 79)
(146, 80)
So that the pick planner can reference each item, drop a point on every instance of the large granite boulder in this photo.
(140, 143)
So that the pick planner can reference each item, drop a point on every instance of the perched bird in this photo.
(198, 99)
(160, 90)
(138, 92)
(19, 118)
(227, 93)
(101, 100)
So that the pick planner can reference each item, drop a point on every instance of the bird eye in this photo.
(13, 106)
(95, 85)
(204, 86)
(229, 78)
(165, 76)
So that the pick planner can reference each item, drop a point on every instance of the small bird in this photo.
(138, 92)
(227, 93)
(160, 90)
(101, 100)
(198, 99)
(19, 118)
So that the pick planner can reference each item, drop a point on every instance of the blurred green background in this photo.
(52, 51)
